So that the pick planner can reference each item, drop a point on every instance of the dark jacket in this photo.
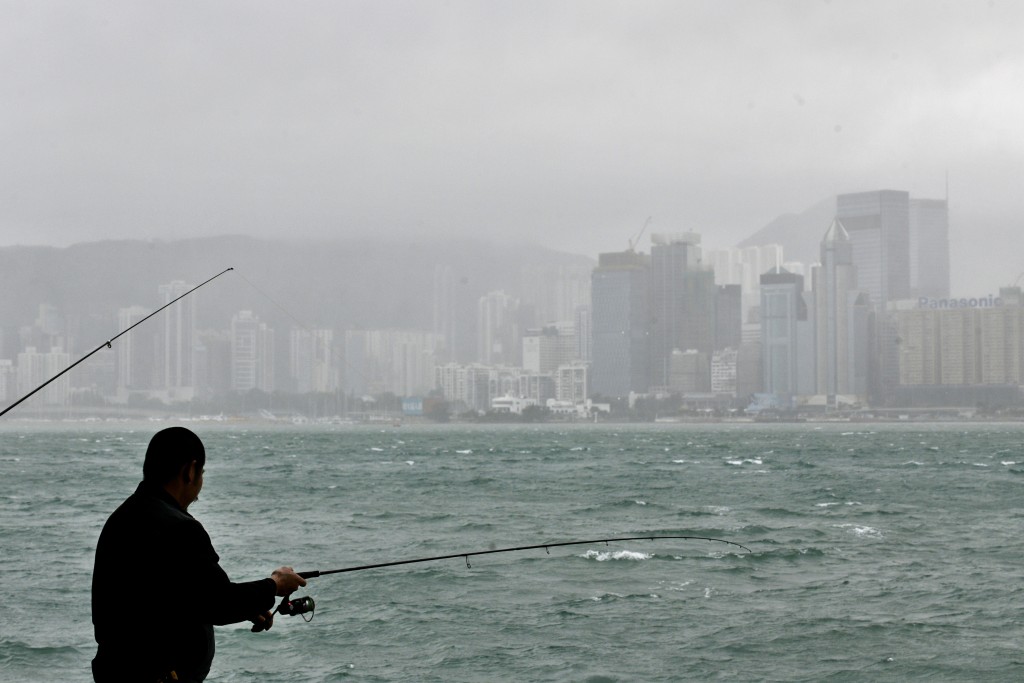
(157, 591)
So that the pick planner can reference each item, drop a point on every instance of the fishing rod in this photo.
(304, 605)
(107, 344)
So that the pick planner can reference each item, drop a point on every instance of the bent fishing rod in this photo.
(306, 605)
(107, 344)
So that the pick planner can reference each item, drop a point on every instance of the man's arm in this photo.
(225, 602)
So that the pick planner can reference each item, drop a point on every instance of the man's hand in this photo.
(287, 580)
(262, 622)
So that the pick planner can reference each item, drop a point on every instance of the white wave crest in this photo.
(604, 556)
(752, 461)
(860, 530)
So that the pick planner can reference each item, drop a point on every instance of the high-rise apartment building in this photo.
(252, 353)
(546, 348)
(960, 342)
(177, 342)
(466, 386)
(620, 291)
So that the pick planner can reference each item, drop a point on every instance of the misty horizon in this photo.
(562, 125)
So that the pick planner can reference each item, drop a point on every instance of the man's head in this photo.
(175, 459)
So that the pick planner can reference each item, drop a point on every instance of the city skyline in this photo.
(681, 320)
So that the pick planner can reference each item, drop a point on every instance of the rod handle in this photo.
(309, 575)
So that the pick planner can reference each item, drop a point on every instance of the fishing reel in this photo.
(300, 606)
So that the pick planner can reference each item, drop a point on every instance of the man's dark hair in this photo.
(169, 450)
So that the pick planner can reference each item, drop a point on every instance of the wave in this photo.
(606, 555)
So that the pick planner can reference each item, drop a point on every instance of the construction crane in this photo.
(636, 240)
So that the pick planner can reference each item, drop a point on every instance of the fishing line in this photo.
(108, 343)
(273, 301)
(348, 368)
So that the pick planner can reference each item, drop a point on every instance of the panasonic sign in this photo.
(982, 302)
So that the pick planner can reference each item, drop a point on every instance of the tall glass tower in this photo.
(620, 292)
(878, 224)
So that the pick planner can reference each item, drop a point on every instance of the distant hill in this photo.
(799, 233)
(371, 283)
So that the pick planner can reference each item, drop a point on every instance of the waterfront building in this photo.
(786, 336)
(466, 387)
(620, 288)
(571, 383)
(958, 344)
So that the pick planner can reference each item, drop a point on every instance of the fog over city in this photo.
(560, 124)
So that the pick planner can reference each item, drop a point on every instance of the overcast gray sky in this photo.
(562, 123)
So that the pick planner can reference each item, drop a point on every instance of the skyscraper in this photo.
(620, 291)
(878, 224)
(840, 324)
(682, 302)
(784, 337)
(929, 248)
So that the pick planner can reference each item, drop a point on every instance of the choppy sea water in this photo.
(882, 552)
